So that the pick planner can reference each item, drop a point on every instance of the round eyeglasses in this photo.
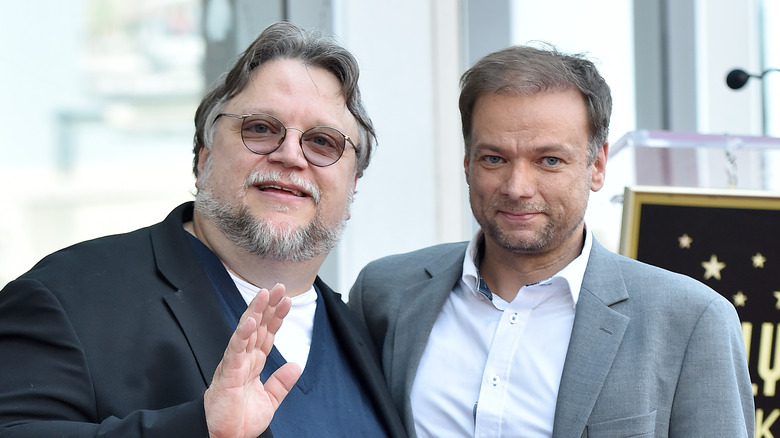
(264, 133)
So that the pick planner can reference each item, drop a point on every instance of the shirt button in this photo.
(495, 380)
(513, 318)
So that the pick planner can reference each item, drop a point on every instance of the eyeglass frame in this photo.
(243, 118)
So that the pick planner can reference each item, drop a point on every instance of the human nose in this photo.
(520, 181)
(289, 153)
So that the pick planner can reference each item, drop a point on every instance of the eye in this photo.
(258, 126)
(551, 161)
(324, 141)
(492, 159)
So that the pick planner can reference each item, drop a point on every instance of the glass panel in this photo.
(771, 27)
(98, 135)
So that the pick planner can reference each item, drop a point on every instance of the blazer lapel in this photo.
(193, 303)
(422, 304)
(596, 336)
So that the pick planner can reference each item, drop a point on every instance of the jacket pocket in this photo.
(631, 427)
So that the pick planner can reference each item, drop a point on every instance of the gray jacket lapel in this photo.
(422, 304)
(597, 333)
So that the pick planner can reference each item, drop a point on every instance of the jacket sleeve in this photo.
(714, 396)
(45, 383)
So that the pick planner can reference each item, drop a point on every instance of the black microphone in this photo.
(737, 78)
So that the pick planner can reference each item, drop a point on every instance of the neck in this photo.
(505, 272)
(297, 277)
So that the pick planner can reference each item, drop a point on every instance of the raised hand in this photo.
(237, 403)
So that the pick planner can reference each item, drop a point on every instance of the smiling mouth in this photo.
(520, 216)
(283, 184)
(297, 193)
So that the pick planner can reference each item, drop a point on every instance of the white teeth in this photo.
(294, 192)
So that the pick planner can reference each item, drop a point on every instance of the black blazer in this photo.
(120, 336)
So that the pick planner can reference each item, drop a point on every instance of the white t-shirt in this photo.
(293, 340)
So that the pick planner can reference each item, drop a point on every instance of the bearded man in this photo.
(174, 330)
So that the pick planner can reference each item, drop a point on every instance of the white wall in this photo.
(412, 195)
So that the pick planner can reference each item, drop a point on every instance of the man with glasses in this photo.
(174, 330)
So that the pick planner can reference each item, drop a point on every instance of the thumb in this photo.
(281, 382)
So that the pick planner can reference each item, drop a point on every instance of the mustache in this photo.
(525, 207)
(271, 177)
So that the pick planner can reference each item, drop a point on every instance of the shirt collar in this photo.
(470, 273)
(249, 291)
(573, 273)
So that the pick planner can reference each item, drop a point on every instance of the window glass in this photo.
(771, 26)
(771, 41)
(97, 137)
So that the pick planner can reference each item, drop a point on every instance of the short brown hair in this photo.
(527, 70)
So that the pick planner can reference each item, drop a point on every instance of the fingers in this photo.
(272, 315)
(276, 293)
(237, 400)
(277, 309)
(251, 331)
(259, 304)
(257, 326)
(281, 310)
(241, 342)
(268, 307)
(281, 382)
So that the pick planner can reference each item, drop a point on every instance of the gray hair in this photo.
(526, 70)
(288, 41)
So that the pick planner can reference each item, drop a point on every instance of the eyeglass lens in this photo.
(263, 134)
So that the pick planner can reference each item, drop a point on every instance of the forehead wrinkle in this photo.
(311, 112)
(338, 96)
(311, 78)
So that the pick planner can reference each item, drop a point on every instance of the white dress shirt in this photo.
(492, 368)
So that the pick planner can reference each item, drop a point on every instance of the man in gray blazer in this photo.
(533, 329)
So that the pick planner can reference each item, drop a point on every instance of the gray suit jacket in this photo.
(652, 353)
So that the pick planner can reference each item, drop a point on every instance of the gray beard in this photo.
(260, 238)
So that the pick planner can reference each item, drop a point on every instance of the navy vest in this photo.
(327, 400)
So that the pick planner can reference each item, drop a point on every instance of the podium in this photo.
(726, 237)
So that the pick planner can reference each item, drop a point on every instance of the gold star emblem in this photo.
(777, 297)
(739, 299)
(685, 241)
(758, 260)
(712, 268)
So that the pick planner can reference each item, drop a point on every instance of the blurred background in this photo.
(99, 96)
